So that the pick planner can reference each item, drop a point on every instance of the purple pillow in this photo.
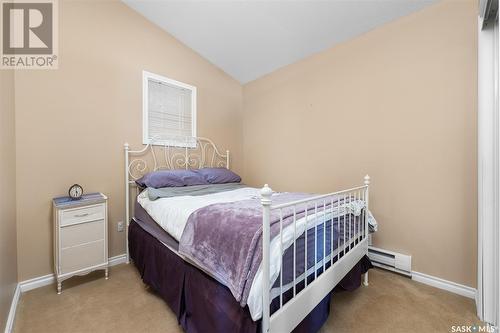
(219, 175)
(171, 178)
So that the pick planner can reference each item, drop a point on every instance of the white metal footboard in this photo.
(351, 246)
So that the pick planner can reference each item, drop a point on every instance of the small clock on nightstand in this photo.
(80, 234)
(75, 192)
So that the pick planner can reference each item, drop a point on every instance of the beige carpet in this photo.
(391, 303)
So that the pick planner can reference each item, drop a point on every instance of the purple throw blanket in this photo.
(226, 239)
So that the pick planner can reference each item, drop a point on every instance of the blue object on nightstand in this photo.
(84, 200)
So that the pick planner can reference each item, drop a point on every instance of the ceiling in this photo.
(248, 39)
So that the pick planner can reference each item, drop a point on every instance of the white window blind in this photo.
(169, 111)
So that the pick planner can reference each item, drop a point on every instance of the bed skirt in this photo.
(202, 304)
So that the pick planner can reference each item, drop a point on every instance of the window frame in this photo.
(146, 77)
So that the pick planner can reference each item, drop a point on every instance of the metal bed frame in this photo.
(328, 272)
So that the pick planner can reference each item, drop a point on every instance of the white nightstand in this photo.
(80, 236)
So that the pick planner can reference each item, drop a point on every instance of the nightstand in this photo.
(80, 236)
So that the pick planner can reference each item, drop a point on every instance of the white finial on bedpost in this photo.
(266, 193)
(266, 202)
(227, 159)
(366, 227)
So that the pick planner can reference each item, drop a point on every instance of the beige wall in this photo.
(398, 103)
(72, 122)
(8, 249)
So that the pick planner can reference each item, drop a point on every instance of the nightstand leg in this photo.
(106, 273)
(59, 287)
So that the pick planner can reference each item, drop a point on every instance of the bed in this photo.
(206, 248)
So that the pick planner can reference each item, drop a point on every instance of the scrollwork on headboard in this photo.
(195, 153)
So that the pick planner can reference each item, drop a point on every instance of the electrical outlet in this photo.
(120, 226)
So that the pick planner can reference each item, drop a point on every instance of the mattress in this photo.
(146, 222)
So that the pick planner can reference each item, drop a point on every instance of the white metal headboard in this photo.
(196, 153)
(192, 153)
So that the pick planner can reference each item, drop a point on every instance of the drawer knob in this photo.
(82, 215)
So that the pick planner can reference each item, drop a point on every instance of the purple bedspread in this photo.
(226, 239)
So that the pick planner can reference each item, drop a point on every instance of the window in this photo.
(169, 111)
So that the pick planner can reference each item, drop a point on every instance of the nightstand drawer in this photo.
(77, 234)
(84, 214)
(82, 256)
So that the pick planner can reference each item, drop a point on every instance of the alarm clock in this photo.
(75, 192)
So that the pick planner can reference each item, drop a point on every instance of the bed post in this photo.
(227, 159)
(367, 184)
(127, 200)
(266, 202)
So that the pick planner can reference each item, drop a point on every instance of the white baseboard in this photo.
(43, 281)
(49, 279)
(9, 325)
(436, 282)
(116, 260)
(37, 282)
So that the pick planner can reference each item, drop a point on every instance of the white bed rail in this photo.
(190, 153)
(337, 208)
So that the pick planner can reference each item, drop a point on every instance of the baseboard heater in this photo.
(392, 261)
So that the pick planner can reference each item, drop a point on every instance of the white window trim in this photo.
(145, 130)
